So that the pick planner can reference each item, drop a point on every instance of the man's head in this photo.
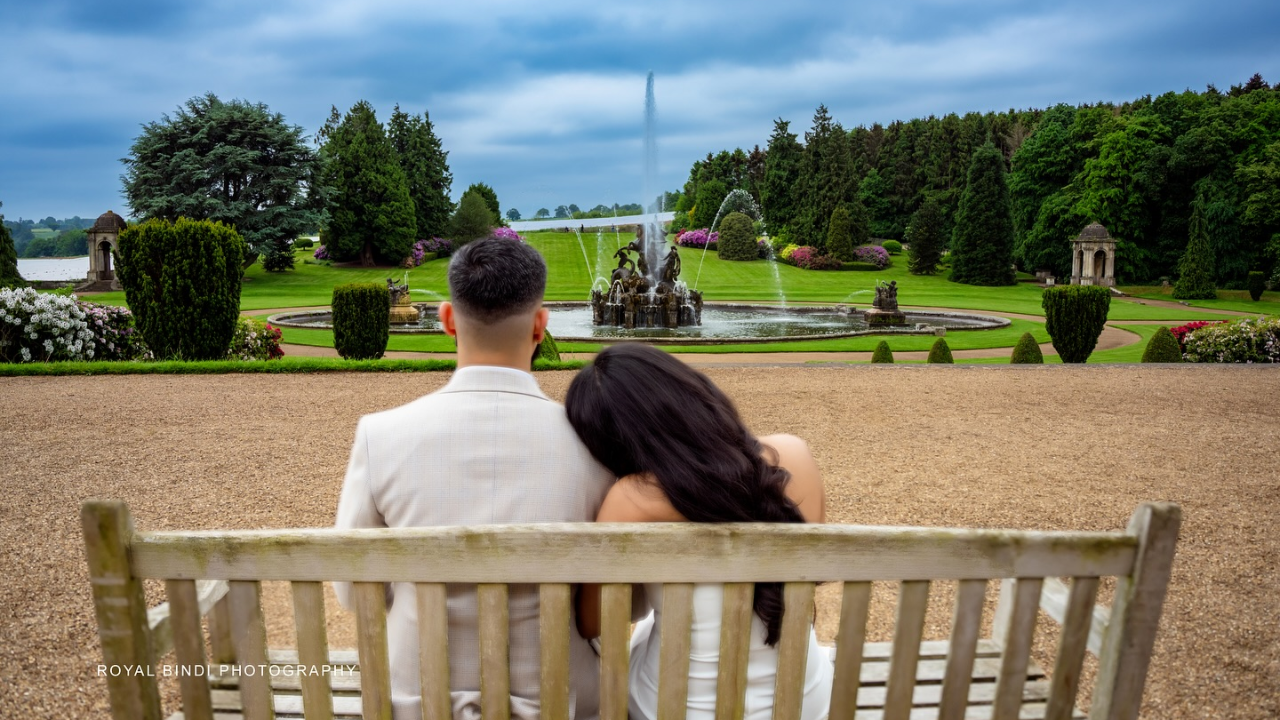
(496, 311)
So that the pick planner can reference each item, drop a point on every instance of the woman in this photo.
(682, 454)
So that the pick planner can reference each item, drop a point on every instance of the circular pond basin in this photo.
(721, 323)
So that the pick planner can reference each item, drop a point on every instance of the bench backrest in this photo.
(554, 556)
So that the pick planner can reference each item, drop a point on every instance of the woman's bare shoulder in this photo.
(636, 498)
(805, 488)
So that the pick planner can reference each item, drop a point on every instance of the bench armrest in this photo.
(208, 593)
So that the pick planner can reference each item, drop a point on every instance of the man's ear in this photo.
(448, 321)
(540, 320)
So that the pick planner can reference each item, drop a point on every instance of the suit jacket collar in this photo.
(487, 378)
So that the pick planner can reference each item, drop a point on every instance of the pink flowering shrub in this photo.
(699, 239)
(873, 254)
(1252, 340)
(114, 336)
(321, 253)
(507, 233)
(1180, 333)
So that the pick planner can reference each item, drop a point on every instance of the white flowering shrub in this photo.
(1253, 340)
(37, 327)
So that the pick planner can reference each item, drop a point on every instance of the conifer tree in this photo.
(371, 213)
(472, 220)
(710, 197)
(1195, 269)
(781, 171)
(426, 170)
(840, 234)
(9, 276)
(924, 236)
(490, 197)
(982, 244)
(859, 223)
(826, 179)
(234, 162)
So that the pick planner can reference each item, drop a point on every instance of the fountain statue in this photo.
(884, 309)
(402, 312)
(638, 299)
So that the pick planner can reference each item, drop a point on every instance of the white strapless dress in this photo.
(704, 655)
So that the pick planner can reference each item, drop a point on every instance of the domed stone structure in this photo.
(1093, 257)
(104, 238)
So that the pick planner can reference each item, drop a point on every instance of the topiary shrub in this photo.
(737, 238)
(1162, 348)
(547, 349)
(303, 243)
(361, 320)
(1027, 351)
(882, 353)
(9, 275)
(893, 247)
(941, 352)
(1257, 284)
(182, 282)
(1074, 317)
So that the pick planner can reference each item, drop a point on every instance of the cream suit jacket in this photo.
(487, 448)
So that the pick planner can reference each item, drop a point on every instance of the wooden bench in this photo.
(218, 574)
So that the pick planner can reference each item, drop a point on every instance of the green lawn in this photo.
(1127, 354)
(574, 266)
(1237, 300)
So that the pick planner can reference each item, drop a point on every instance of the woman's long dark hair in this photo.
(639, 410)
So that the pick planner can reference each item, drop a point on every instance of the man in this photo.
(489, 447)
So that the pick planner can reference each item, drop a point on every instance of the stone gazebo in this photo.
(104, 238)
(1093, 256)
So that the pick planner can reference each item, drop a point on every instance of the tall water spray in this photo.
(649, 183)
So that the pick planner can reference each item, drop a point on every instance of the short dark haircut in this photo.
(495, 278)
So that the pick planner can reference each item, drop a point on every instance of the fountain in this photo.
(637, 297)
(643, 298)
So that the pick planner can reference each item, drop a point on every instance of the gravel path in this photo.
(1029, 447)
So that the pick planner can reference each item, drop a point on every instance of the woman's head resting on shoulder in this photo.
(642, 412)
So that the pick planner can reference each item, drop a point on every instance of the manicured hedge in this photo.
(882, 353)
(940, 352)
(1074, 318)
(737, 238)
(361, 320)
(1162, 348)
(182, 282)
(1027, 351)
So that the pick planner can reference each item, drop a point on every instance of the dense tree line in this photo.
(1138, 168)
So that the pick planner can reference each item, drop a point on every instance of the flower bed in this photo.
(873, 254)
(1180, 333)
(507, 233)
(255, 340)
(699, 239)
(1252, 340)
(38, 327)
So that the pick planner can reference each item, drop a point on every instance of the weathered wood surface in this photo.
(433, 650)
(793, 650)
(615, 656)
(633, 553)
(673, 661)
(188, 641)
(495, 658)
(208, 593)
(553, 638)
(913, 600)
(313, 648)
(1054, 601)
(966, 624)
(735, 648)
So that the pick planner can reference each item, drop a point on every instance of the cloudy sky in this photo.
(545, 100)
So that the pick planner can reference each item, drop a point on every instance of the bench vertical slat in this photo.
(1016, 654)
(965, 628)
(793, 650)
(735, 647)
(188, 648)
(673, 660)
(121, 610)
(554, 600)
(313, 649)
(913, 600)
(495, 668)
(849, 644)
(615, 649)
(222, 649)
(433, 650)
(249, 634)
(1135, 613)
(1071, 648)
(371, 641)
(1004, 608)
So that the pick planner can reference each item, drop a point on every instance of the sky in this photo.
(545, 101)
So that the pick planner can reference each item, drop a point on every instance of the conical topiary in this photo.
(1027, 351)
(547, 349)
(940, 352)
(1163, 348)
(1257, 285)
(882, 354)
